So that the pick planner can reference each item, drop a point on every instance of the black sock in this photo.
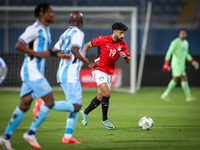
(94, 104)
(6, 136)
(105, 104)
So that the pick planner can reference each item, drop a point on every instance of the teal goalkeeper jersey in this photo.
(178, 49)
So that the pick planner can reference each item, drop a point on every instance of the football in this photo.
(145, 123)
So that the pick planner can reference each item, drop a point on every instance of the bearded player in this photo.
(179, 51)
(109, 50)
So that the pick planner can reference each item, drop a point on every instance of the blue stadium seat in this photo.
(82, 3)
(155, 2)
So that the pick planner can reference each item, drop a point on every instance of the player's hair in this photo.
(182, 30)
(42, 7)
(119, 26)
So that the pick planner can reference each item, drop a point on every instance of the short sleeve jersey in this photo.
(38, 38)
(68, 70)
(108, 53)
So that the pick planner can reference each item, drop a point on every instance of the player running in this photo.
(109, 50)
(35, 43)
(71, 42)
(179, 51)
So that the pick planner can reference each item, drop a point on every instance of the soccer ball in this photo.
(145, 123)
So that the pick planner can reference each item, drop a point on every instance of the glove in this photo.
(166, 67)
(195, 64)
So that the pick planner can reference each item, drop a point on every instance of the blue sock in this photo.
(41, 115)
(17, 117)
(71, 122)
(63, 106)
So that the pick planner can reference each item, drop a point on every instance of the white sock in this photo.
(67, 136)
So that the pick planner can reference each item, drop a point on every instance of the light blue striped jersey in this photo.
(38, 38)
(68, 70)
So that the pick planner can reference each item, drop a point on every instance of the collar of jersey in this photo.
(41, 24)
(112, 39)
(74, 27)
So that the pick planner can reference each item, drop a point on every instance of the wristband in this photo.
(126, 57)
(53, 53)
(191, 61)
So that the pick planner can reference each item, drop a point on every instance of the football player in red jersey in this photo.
(109, 49)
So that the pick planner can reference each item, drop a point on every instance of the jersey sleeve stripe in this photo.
(20, 39)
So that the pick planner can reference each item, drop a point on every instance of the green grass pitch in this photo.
(176, 123)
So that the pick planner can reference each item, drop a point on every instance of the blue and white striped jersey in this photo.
(68, 70)
(38, 38)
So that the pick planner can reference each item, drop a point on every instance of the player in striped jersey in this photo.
(34, 42)
(71, 42)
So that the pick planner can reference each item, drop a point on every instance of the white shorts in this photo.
(101, 77)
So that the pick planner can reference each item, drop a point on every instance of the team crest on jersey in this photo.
(119, 48)
(101, 78)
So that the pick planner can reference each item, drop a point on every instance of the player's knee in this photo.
(77, 107)
(176, 79)
(107, 94)
(24, 107)
(183, 78)
(49, 103)
(99, 97)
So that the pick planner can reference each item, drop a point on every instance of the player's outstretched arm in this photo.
(75, 51)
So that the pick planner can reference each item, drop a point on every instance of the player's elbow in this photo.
(17, 45)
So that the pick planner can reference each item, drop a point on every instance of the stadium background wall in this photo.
(152, 74)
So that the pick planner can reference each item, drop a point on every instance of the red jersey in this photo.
(108, 53)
